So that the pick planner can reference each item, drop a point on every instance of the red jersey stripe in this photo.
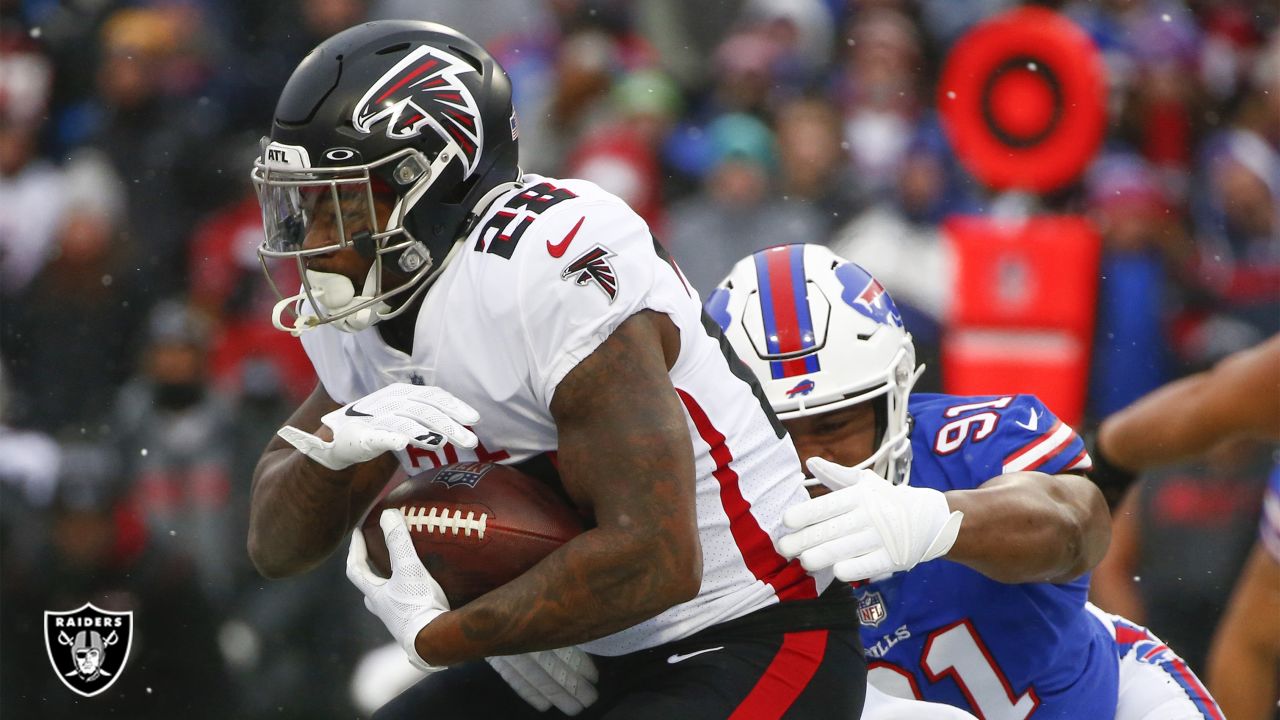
(788, 579)
(786, 677)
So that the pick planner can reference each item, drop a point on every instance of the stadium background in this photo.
(141, 377)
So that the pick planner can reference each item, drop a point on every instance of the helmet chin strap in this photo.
(337, 294)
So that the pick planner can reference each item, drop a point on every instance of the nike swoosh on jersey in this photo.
(1032, 424)
(680, 658)
(557, 250)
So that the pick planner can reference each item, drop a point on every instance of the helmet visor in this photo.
(315, 211)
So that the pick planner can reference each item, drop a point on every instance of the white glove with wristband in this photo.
(408, 600)
(867, 527)
(387, 419)
(564, 678)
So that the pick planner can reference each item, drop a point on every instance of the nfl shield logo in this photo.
(462, 474)
(88, 647)
(871, 611)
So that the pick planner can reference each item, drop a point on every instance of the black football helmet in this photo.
(410, 108)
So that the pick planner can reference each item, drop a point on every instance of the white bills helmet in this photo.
(821, 334)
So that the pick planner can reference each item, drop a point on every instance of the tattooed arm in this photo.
(625, 454)
(301, 511)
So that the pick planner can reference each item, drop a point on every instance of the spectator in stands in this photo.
(624, 155)
(878, 86)
(1237, 219)
(737, 212)
(1142, 245)
(31, 193)
(174, 434)
(776, 51)
(157, 142)
(266, 43)
(72, 330)
(814, 164)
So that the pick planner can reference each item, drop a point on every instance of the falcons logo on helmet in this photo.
(593, 266)
(423, 90)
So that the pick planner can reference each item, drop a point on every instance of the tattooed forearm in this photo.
(599, 584)
(625, 453)
(300, 511)
(296, 518)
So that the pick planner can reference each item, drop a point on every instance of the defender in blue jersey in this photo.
(982, 499)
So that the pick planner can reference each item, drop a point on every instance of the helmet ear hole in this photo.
(400, 47)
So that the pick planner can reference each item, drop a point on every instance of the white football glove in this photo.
(564, 678)
(408, 600)
(387, 419)
(867, 527)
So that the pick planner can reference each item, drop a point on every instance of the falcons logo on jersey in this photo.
(593, 266)
(423, 90)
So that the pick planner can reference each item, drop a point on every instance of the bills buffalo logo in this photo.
(424, 90)
(871, 610)
(866, 295)
(464, 474)
(804, 387)
(593, 266)
(88, 647)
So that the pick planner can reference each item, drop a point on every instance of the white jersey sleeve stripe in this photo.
(1081, 462)
(1041, 448)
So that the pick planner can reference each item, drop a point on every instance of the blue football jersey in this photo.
(949, 634)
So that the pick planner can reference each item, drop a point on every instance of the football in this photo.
(476, 526)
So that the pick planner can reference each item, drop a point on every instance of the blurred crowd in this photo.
(141, 376)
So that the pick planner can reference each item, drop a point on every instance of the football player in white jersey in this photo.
(455, 309)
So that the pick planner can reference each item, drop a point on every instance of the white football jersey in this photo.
(550, 270)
